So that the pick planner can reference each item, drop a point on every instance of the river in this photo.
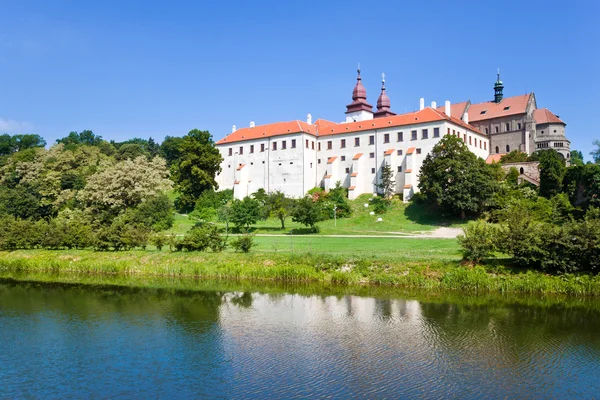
(65, 341)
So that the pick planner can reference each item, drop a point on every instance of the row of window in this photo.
(472, 141)
(386, 139)
(373, 170)
(498, 149)
(507, 125)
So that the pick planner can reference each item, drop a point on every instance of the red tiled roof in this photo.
(331, 159)
(323, 123)
(241, 166)
(236, 182)
(354, 174)
(269, 130)
(407, 186)
(456, 109)
(352, 188)
(493, 158)
(408, 171)
(357, 156)
(388, 152)
(410, 150)
(516, 105)
(545, 116)
(327, 176)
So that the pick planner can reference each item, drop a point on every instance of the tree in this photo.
(86, 137)
(576, 158)
(552, 170)
(455, 179)
(245, 212)
(170, 149)
(582, 184)
(596, 153)
(280, 206)
(388, 184)
(195, 170)
(514, 156)
(12, 144)
(307, 212)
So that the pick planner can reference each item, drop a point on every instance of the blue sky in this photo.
(153, 68)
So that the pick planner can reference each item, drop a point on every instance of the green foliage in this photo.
(387, 186)
(512, 177)
(576, 158)
(339, 197)
(380, 204)
(514, 156)
(279, 206)
(195, 169)
(159, 241)
(243, 243)
(596, 153)
(170, 149)
(582, 185)
(201, 238)
(86, 137)
(245, 212)
(455, 179)
(155, 213)
(552, 170)
(478, 240)
(307, 212)
(12, 144)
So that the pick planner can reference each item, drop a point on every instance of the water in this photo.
(99, 342)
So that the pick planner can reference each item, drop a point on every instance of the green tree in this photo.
(170, 149)
(86, 137)
(245, 212)
(195, 170)
(552, 170)
(12, 144)
(512, 177)
(280, 206)
(387, 186)
(582, 184)
(596, 153)
(514, 156)
(577, 158)
(455, 179)
(307, 212)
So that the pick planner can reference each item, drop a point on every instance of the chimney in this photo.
(309, 119)
(233, 129)
(421, 103)
(251, 124)
(433, 105)
(447, 108)
(466, 118)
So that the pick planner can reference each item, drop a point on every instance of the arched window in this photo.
(521, 171)
(497, 150)
(496, 129)
(507, 148)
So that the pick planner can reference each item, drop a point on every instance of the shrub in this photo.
(478, 240)
(243, 243)
(159, 240)
(380, 204)
(201, 238)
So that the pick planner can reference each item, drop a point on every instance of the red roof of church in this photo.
(456, 109)
(493, 158)
(489, 109)
(269, 130)
(545, 116)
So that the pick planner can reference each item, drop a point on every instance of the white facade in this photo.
(354, 153)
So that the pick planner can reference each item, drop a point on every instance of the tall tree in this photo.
(513, 157)
(455, 179)
(307, 212)
(552, 171)
(596, 153)
(388, 184)
(245, 212)
(576, 157)
(280, 206)
(195, 170)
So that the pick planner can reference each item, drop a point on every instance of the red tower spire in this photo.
(383, 102)
(359, 97)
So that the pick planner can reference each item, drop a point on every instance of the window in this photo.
(372, 139)
(251, 163)
(470, 140)
(485, 145)
(319, 161)
(497, 150)
(418, 151)
(307, 143)
(274, 145)
(343, 143)
(329, 145)
(371, 155)
(453, 132)
(436, 132)
(343, 158)
(400, 136)
(542, 132)
(347, 170)
(283, 145)
(230, 151)
(386, 138)
(508, 126)
(356, 141)
(229, 166)
(464, 137)
(312, 145)
(311, 165)
(372, 170)
(251, 148)
(413, 135)
(487, 131)
(519, 125)
(293, 143)
(319, 146)
(507, 148)
(399, 152)
(496, 129)
(262, 147)
(506, 108)
(424, 134)
(521, 171)
(241, 149)
(448, 131)
(399, 168)
(483, 112)
(475, 142)
(291, 162)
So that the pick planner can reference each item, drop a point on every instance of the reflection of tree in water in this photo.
(243, 300)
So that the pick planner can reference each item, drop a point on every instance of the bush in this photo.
(478, 240)
(201, 238)
(380, 204)
(243, 243)
(159, 241)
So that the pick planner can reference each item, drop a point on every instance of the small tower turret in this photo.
(498, 87)
(383, 102)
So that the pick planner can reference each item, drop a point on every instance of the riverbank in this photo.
(338, 270)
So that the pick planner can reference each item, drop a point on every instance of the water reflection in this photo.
(62, 341)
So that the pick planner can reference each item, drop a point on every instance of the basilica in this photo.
(296, 156)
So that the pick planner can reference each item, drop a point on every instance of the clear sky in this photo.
(153, 68)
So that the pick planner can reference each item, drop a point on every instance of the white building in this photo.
(296, 156)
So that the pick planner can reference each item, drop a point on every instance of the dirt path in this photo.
(439, 233)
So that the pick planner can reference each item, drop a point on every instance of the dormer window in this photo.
(506, 108)
(483, 112)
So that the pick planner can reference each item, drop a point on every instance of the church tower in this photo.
(498, 87)
(383, 102)
(359, 109)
